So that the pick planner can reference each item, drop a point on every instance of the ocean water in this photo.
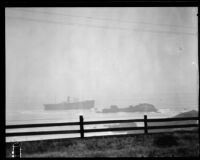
(42, 116)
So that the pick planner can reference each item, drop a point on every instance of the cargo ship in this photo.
(87, 104)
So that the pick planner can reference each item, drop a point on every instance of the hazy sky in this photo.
(112, 55)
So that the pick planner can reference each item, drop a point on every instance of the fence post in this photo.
(81, 126)
(16, 150)
(145, 124)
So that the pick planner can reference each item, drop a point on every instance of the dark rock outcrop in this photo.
(191, 113)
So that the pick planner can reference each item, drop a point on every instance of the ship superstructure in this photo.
(87, 104)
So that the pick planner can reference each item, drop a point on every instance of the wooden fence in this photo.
(82, 131)
(16, 152)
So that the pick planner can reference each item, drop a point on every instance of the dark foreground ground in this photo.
(176, 144)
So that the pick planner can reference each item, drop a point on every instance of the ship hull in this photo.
(70, 106)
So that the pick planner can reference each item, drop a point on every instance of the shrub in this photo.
(166, 141)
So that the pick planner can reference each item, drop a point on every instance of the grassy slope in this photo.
(191, 113)
(116, 146)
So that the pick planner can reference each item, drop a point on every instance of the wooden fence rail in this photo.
(81, 123)
(41, 125)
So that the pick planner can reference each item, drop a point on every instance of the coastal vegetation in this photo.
(174, 144)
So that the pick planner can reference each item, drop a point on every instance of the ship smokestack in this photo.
(68, 99)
